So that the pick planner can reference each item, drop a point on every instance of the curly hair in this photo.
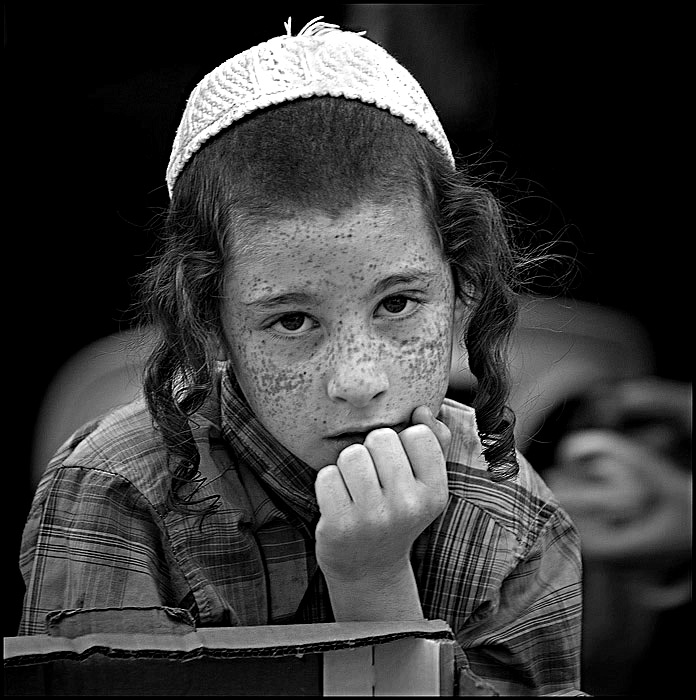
(322, 154)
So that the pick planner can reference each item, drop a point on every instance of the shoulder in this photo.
(121, 448)
(521, 506)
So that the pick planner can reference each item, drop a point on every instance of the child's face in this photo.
(338, 326)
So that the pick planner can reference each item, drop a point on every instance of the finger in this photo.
(423, 415)
(425, 456)
(390, 460)
(331, 491)
(359, 474)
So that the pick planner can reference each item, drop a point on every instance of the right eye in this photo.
(293, 324)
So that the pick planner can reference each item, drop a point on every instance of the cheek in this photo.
(270, 386)
(425, 358)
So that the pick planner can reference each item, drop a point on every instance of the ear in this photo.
(461, 378)
(462, 313)
(219, 346)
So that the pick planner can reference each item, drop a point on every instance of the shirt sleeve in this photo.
(92, 541)
(526, 638)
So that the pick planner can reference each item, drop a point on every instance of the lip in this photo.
(360, 432)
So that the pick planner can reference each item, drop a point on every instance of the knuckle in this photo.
(371, 527)
(410, 506)
(418, 429)
(442, 500)
(332, 529)
(352, 454)
(444, 431)
(416, 433)
(326, 473)
(325, 477)
(380, 436)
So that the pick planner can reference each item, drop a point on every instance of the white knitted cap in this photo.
(320, 60)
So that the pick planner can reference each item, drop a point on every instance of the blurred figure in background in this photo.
(621, 466)
(617, 457)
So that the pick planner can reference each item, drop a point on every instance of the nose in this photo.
(358, 380)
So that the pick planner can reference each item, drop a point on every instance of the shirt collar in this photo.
(286, 475)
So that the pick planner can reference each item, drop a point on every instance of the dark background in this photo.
(582, 104)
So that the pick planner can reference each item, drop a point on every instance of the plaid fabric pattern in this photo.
(501, 565)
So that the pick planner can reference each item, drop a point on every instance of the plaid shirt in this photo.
(501, 565)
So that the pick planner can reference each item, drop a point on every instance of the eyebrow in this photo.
(303, 298)
(281, 299)
(401, 278)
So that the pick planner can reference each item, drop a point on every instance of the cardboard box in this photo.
(331, 659)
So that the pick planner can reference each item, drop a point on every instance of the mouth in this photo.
(358, 434)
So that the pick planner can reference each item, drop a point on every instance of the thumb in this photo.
(424, 416)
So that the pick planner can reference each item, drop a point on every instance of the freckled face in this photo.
(337, 326)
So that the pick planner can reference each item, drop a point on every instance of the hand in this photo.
(628, 501)
(378, 498)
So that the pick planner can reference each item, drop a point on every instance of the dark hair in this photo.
(323, 154)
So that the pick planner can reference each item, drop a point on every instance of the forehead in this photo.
(367, 240)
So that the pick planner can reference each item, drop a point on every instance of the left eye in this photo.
(397, 305)
(293, 324)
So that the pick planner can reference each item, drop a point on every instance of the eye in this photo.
(398, 305)
(293, 324)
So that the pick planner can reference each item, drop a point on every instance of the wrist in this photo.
(388, 594)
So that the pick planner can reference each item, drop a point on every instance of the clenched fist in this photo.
(378, 498)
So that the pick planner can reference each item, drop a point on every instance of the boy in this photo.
(295, 458)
